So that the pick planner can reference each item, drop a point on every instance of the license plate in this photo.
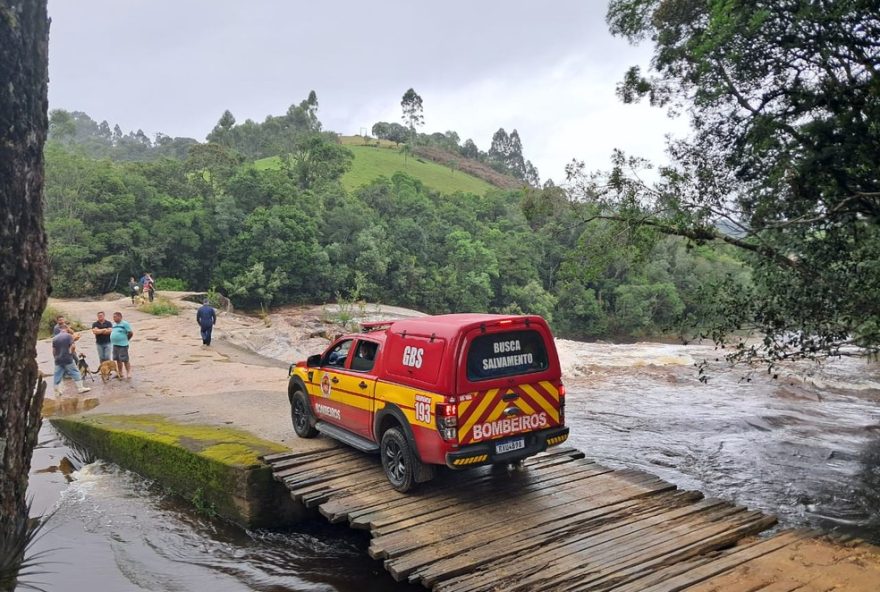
(510, 445)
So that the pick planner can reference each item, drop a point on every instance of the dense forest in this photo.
(765, 220)
(201, 215)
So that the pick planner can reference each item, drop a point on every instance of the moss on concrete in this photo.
(219, 465)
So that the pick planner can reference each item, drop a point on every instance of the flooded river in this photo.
(114, 531)
(805, 446)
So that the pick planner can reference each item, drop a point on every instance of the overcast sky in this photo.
(548, 69)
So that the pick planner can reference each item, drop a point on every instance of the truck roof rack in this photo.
(375, 326)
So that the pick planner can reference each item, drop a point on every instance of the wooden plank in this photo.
(325, 466)
(682, 546)
(555, 491)
(478, 551)
(563, 515)
(334, 480)
(558, 483)
(667, 547)
(514, 541)
(485, 494)
(611, 540)
(290, 459)
(731, 560)
(561, 522)
(351, 505)
(582, 561)
(383, 515)
(559, 507)
(377, 498)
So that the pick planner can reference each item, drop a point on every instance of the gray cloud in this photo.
(175, 66)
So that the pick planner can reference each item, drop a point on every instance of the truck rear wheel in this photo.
(301, 416)
(399, 460)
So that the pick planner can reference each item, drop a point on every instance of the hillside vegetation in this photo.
(320, 218)
(371, 162)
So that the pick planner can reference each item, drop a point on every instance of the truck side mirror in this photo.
(313, 361)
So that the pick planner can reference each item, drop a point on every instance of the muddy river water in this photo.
(804, 446)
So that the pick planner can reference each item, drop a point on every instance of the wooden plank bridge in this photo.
(560, 523)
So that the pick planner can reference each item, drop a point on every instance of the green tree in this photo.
(380, 130)
(470, 150)
(315, 160)
(213, 163)
(783, 161)
(413, 112)
(62, 127)
(222, 132)
(255, 285)
(469, 272)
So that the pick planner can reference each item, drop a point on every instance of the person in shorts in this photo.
(119, 338)
(102, 329)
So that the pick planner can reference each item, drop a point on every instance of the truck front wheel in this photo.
(301, 416)
(399, 460)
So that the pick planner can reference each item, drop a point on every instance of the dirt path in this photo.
(174, 375)
(229, 383)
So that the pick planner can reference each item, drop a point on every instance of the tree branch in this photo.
(706, 234)
(744, 103)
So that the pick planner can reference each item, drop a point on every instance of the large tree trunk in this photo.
(24, 50)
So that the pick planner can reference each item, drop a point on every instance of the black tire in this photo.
(301, 416)
(399, 460)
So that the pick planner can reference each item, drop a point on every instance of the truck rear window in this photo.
(506, 354)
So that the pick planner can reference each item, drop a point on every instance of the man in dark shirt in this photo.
(206, 316)
(102, 329)
(64, 362)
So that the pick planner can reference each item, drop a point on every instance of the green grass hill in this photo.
(384, 159)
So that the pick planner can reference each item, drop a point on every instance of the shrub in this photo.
(171, 284)
(47, 322)
(214, 298)
(161, 306)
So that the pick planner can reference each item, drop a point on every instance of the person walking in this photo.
(206, 317)
(149, 286)
(62, 344)
(102, 329)
(119, 337)
(133, 288)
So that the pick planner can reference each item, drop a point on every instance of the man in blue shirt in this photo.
(119, 336)
(206, 317)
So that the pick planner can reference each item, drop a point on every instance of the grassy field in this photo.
(371, 162)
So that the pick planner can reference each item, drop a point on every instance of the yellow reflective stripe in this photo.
(352, 400)
(481, 407)
(403, 395)
(542, 401)
(497, 412)
(557, 440)
(550, 388)
(524, 406)
(470, 460)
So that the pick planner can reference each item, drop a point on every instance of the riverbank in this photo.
(230, 384)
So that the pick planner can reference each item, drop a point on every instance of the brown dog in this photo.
(106, 368)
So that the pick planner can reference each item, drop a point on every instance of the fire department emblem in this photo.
(325, 385)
